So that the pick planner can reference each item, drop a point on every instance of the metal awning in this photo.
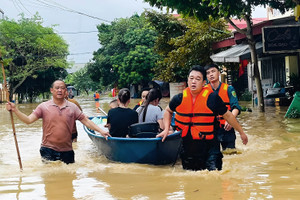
(236, 53)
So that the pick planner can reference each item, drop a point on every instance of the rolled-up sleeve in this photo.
(234, 104)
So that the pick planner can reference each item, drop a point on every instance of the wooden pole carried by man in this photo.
(11, 115)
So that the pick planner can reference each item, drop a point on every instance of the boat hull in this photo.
(138, 150)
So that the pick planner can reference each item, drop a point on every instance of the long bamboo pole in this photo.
(11, 117)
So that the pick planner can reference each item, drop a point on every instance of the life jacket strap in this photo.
(206, 137)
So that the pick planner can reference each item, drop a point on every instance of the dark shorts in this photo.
(74, 135)
(201, 154)
(52, 155)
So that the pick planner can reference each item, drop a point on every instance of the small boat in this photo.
(136, 150)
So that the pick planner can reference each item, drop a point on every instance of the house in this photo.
(278, 49)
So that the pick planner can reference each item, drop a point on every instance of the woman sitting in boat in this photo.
(150, 111)
(120, 118)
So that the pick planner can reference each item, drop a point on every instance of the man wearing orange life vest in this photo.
(96, 96)
(196, 110)
(226, 133)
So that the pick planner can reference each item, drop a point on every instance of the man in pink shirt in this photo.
(59, 116)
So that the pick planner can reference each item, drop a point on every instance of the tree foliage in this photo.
(183, 43)
(227, 9)
(82, 81)
(33, 87)
(29, 49)
(126, 55)
(203, 9)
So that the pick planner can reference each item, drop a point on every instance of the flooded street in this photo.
(267, 168)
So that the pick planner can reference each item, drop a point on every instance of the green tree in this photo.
(183, 43)
(126, 55)
(241, 9)
(33, 87)
(82, 81)
(30, 49)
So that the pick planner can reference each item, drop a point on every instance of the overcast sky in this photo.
(79, 30)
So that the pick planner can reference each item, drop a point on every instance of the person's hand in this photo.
(107, 126)
(163, 134)
(244, 138)
(105, 134)
(227, 126)
(10, 106)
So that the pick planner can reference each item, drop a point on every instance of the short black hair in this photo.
(58, 80)
(211, 65)
(146, 89)
(198, 68)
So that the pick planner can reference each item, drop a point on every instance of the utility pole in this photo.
(2, 13)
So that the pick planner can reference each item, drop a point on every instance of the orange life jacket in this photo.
(97, 96)
(223, 93)
(195, 116)
(140, 102)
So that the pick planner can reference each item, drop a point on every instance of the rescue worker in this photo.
(226, 133)
(97, 96)
(196, 110)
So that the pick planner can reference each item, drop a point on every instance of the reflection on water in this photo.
(267, 168)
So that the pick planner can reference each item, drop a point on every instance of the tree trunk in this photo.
(260, 96)
(254, 60)
(10, 96)
(20, 98)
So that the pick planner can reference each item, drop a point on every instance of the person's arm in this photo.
(216, 104)
(91, 125)
(234, 104)
(161, 124)
(235, 113)
(160, 115)
(28, 119)
(166, 123)
(230, 118)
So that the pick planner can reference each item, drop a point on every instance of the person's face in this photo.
(144, 94)
(195, 82)
(212, 74)
(59, 90)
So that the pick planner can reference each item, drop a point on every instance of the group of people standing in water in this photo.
(204, 114)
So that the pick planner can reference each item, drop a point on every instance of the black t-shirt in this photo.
(214, 103)
(120, 119)
(195, 147)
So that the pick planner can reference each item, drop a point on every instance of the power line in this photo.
(55, 5)
(49, 55)
(62, 33)
(79, 32)
(24, 7)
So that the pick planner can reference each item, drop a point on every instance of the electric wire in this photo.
(54, 5)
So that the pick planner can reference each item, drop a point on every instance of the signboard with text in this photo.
(281, 39)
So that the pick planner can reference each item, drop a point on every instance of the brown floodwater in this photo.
(267, 168)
